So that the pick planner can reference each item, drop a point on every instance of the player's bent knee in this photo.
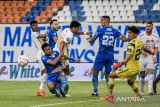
(130, 82)
(50, 85)
(95, 71)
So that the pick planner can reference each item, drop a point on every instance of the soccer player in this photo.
(37, 40)
(151, 40)
(63, 43)
(53, 68)
(52, 36)
(131, 63)
(105, 56)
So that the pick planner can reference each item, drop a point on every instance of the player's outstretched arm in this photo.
(123, 38)
(150, 51)
(83, 33)
(41, 36)
(119, 64)
(91, 40)
(55, 61)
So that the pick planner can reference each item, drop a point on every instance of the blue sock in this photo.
(95, 83)
(63, 82)
(106, 78)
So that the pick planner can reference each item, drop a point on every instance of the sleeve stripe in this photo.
(131, 44)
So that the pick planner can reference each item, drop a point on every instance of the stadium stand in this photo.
(85, 10)
(26, 11)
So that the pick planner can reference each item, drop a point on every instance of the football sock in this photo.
(42, 81)
(142, 83)
(63, 82)
(150, 82)
(95, 83)
(134, 87)
(111, 85)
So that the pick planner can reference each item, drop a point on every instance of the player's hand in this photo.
(87, 33)
(77, 61)
(152, 51)
(89, 40)
(61, 53)
(154, 59)
(117, 65)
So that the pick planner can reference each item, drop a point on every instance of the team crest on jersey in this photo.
(109, 29)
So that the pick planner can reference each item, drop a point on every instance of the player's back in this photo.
(51, 33)
(67, 37)
(107, 36)
(36, 41)
(135, 47)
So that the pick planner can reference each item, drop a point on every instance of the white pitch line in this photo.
(71, 102)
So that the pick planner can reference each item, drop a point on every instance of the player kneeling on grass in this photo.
(131, 63)
(55, 80)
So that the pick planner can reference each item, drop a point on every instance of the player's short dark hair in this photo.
(106, 17)
(149, 22)
(54, 20)
(44, 45)
(74, 24)
(133, 29)
(33, 22)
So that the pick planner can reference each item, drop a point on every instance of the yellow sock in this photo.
(134, 87)
(111, 85)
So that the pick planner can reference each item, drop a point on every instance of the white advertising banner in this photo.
(11, 71)
(32, 72)
(15, 39)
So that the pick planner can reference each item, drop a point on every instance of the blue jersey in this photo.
(49, 67)
(52, 33)
(107, 36)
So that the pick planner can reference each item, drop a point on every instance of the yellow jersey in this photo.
(135, 47)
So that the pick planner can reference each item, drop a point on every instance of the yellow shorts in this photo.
(127, 72)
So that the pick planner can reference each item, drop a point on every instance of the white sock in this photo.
(150, 83)
(142, 83)
(67, 77)
(42, 81)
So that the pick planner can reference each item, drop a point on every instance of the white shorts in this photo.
(146, 63)
(40, 53)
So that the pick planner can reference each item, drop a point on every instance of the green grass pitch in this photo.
(23, 94)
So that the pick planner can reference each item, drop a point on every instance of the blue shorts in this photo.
(103, 59)
(54, 77)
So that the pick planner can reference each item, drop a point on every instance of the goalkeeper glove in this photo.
(117, 65)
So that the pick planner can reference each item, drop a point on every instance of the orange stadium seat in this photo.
(43, 13)
(16, 19)
(38, 18)
(3, 19)
(23, 13)
(28, 7)
(50, 14)
(1, 10)
(16, 14)
(10, 20)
